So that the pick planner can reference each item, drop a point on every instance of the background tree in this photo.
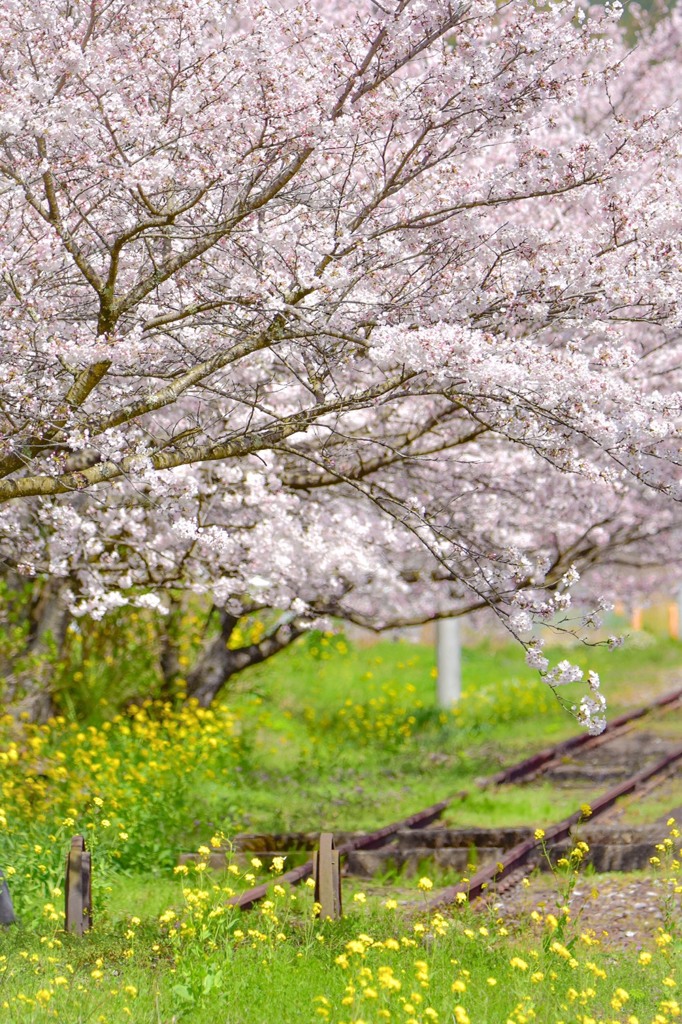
(380, 320)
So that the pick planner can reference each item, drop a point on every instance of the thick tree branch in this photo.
(255, 441)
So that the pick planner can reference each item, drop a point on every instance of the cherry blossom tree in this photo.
(365, 309)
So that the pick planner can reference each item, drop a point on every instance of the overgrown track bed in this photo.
(522, 852)
(366, 852)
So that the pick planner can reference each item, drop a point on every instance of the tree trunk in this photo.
(168, 654)
(218, 663)
(28, 686)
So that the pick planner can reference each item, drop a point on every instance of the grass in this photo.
(328, 736)
(658, 804)
(280, 964)
(355, 733)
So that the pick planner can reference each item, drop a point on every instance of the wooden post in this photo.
(6, 909)
(78, 888)
(327, 878)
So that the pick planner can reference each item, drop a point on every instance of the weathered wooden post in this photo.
(6, 909)
(327, 874)
(78, 888)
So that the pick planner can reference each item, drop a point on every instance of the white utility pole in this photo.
(449, 656)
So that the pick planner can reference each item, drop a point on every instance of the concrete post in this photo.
(449, 663)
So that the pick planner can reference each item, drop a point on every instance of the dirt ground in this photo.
(621, 910)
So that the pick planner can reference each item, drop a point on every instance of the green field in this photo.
(326, 736)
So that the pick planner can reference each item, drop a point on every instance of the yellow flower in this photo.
(425, 884)
(539, 833)
(359, 897)
(516, 961)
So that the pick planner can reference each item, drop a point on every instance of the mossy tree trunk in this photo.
(219, 660)
(29, 676)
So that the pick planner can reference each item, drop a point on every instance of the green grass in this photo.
(322, 736)
(658, 805)
(326, 736)
(374, 965)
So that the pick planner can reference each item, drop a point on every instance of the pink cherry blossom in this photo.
(351, 309)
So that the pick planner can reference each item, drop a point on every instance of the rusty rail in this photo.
(528, 766)
(368, 842)
(541, 760)
(518, 855)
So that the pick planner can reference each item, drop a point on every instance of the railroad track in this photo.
(519, 855)
(509, 865)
